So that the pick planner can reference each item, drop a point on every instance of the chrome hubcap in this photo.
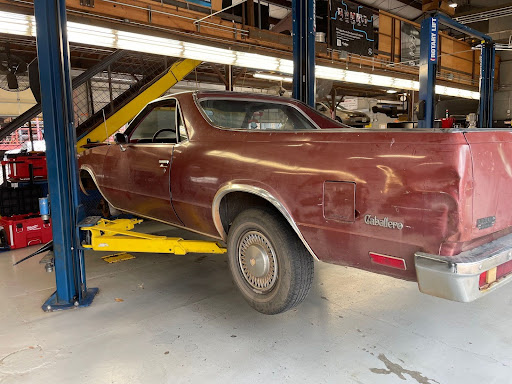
(257, 261)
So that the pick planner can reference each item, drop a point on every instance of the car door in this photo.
(137, 171)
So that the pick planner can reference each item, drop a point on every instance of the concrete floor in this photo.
(181, 320)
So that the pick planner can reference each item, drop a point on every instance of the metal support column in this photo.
(428, 64)
(487, 63)
(304, 28)
(60, 137)
(428, 69)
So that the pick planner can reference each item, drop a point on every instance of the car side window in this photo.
(254, 115)
(156, 125)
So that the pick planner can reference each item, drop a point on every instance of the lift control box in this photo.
(25, 230)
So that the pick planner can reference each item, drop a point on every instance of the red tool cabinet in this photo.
(25, 230)
(18, 168)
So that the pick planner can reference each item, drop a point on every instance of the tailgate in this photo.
(491, 154)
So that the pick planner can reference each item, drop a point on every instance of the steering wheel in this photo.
(159, 132)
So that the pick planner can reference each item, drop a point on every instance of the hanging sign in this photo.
(351, 28)
(410, 44)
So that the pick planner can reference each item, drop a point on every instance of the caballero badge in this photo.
(385, 222)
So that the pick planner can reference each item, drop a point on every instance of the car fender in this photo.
(258, 191)
(93, 176)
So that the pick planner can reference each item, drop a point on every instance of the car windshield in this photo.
(254, 115)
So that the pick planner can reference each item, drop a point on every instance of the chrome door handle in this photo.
(163, 163)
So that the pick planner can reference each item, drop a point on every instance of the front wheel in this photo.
(107, 210)
(270, 266)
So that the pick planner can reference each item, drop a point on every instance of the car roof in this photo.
(242, 95)
(230, 95)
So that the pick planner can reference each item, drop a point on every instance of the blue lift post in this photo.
(304, 28)
(428, 69)
(487, 61)
(60, 136)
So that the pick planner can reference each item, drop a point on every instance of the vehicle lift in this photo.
(428, 68)
(117, 235)
(68, 219)
(304, 28)
(73, 232)
(99, 234)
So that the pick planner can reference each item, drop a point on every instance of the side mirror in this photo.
(120, 138)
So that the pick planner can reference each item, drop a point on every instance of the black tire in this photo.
(108, 211)
(281, 269)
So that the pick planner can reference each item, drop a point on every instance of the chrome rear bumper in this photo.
(458, 277)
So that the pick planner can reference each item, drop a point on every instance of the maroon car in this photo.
(264, 174)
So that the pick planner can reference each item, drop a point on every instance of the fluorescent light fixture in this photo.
(358, 77)
(148, 44)
(453, 4)
(381, 81)
(457, 92)
(256, 61)
(392, 91)
(89, 34)
(17, 24)
(212, 54)
(403, 83)
(330, 73)
(272, 77)
(285, 66)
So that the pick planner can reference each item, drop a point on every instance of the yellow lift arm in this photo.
(176, 73)
(116, 235)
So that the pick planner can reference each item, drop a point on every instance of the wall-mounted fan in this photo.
(13, 72)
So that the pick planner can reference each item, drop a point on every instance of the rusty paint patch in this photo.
(398, 370)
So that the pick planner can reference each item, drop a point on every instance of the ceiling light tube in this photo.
(205, 53)
(148, 44)
(88, 34)
(330, 73)
(402, 83)
(257, 61)
(286, 66)
(381, 81)
(272, 77)
(17, 24)
(357, 77)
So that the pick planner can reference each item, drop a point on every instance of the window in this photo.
(254, 115)
(156, 124)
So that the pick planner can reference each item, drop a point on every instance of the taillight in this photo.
(388, 261)
(493, 274)
(483, 278)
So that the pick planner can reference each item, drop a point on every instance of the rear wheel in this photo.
(269, 264)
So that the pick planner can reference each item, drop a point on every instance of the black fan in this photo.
(13, 72)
